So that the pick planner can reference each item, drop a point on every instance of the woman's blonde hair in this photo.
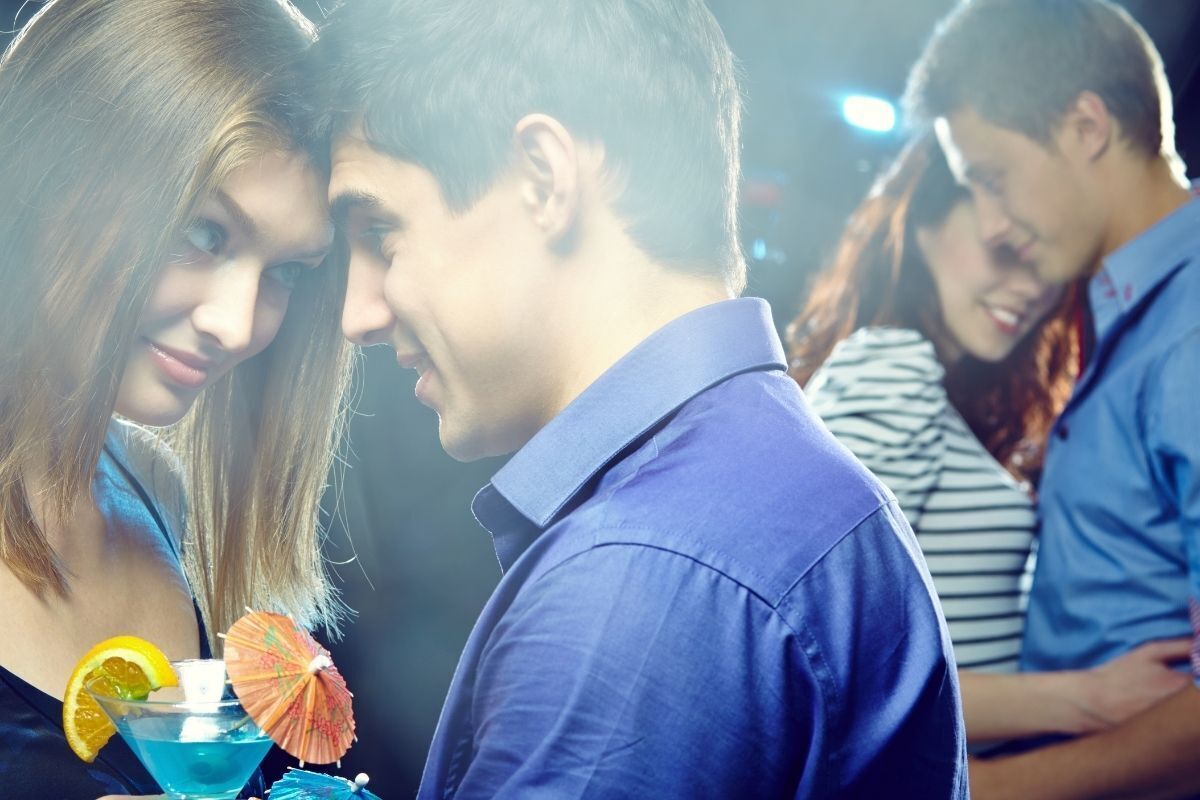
(117, 119)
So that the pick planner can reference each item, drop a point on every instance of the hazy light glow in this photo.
(869, 113)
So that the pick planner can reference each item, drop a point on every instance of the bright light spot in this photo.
(869, 113)
(758, 250)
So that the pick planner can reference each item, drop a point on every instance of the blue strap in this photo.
(152, 507)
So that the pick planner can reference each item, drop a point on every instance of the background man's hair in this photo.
(1020, 64)
(441, 83)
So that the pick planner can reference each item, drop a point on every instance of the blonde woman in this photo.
(163, 233)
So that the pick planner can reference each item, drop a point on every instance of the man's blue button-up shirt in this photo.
(705, 596)
(1120, 498)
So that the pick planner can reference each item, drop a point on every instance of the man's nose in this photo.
(366, 317)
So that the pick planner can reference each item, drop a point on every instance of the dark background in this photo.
(420, 568)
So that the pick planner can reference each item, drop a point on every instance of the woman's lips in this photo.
(1005, 319)
(186, 369)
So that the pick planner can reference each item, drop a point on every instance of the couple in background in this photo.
(934, 349)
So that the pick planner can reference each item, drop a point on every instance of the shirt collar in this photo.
(671, 366)
(1135, 270)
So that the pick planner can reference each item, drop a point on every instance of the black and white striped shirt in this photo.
(881, 394)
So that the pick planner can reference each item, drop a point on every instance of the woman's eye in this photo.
(206, 236)
(286, 275)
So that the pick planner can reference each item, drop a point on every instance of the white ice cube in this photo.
(200, 729)
(202, 680)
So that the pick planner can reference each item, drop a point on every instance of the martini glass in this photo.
(194, 739)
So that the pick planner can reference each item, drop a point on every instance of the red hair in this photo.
(878, 277)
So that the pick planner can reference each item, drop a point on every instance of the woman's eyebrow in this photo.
(251, 230)
(237, 214)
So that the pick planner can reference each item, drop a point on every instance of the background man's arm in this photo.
(1001, 707)
(1155, 754)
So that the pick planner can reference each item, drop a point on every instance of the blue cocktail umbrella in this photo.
(300, 784)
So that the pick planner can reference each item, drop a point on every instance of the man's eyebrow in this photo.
(355, 200)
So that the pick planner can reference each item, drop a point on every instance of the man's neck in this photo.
(613, 306)
(1141, 193)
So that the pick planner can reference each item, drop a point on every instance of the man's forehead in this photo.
(365, 180)
(352, 147)
(356, 166)
(955, 158)
(973, 144)
(976, 137)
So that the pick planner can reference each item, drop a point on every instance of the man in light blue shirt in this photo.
(1120, 504)
(1057, 118)
(704, 594)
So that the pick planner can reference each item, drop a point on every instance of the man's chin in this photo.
(472, 445)
(460, 447)
(1064, 272)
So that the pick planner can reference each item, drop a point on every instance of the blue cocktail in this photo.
(197, 743)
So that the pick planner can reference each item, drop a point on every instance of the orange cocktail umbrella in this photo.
(290, 687)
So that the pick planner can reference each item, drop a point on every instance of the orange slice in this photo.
(123, 666)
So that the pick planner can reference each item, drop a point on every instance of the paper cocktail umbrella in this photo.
(300, 785)
(290, 687)
(1194, 614)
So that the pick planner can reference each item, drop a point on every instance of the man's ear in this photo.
(1088, 127)
(548, 167)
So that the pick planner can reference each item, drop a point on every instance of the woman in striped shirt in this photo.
(941, 363)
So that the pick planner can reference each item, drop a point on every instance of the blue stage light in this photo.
(758, 250)
(869, 113)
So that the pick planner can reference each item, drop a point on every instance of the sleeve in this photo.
(1173, 434)
(881, 394)
(633, 672)
(874, 625)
